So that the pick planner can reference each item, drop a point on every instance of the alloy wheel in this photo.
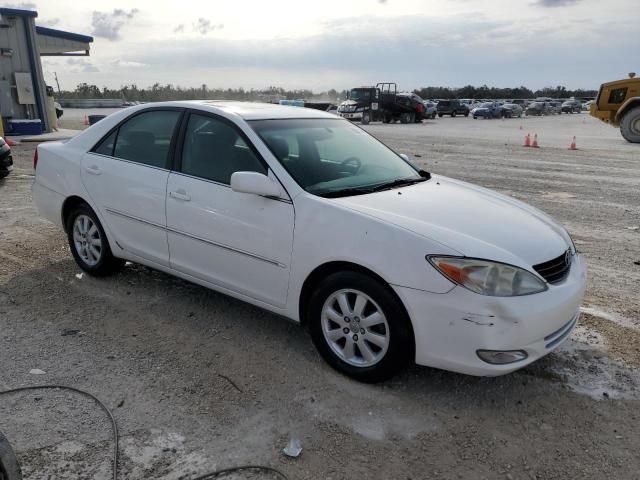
(87, 240)
(355, 328)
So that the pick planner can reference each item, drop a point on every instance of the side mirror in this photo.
(254, 183)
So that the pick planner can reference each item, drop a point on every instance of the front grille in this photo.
(555, 270)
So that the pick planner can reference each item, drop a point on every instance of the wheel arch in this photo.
(626, 106)
(326, 269)
(67, 207)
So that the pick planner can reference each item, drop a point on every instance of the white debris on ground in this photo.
(293, 448)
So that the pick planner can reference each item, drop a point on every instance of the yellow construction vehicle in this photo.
(618, 104)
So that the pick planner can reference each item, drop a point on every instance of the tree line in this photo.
(157, 92)
(484, 91)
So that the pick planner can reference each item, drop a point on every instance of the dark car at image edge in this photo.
(6, 160)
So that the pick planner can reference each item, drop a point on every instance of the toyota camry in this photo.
(302, 213)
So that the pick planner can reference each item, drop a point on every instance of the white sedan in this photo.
(308, 216)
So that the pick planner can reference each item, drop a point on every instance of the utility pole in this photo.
(55, 74)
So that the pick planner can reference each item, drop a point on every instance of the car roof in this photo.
(245, 110)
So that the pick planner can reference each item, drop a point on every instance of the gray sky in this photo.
(340, 44)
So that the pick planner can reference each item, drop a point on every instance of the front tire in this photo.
(366, 118)
(360, 327)
(88, 243)
(630, 125)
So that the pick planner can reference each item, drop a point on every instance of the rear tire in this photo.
(630, 125)
(360, 327)
(453, 114)
(9, 467)
(88, 243)
(405, 118)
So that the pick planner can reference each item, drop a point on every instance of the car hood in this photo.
(348, 102)
(471, 220)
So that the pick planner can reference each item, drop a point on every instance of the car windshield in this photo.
(329, 157)
(486, 105)
(360, 95)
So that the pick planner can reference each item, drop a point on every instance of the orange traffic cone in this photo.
(535, 141)
(86, 120)
(527, 140)
(573, 144)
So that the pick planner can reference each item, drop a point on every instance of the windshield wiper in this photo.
(347, 192)
(402, 182)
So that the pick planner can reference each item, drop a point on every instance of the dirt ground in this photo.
(165, 354)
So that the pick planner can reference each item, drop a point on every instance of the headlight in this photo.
(573, 244)
(488, 278)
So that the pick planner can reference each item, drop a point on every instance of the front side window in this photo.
(326, 156)
(618, 95)
(214, 150)
(146, 137)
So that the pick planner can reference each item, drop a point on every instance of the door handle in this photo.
(180, 195)
(93, 170)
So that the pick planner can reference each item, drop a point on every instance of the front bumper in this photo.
(450, 328)
(351, 115)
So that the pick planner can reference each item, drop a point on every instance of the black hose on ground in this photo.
(114, 426)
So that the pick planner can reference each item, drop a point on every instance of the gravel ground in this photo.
(199, 381)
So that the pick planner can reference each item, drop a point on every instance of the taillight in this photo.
(35, 159)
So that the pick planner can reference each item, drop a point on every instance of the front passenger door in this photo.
(237, 241)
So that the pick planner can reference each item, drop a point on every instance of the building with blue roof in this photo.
(23, 90)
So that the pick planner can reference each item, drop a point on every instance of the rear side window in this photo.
(618, 95)
(146, 138)
(214, 150)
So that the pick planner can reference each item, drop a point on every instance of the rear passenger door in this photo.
(126, 177)
(237, 241)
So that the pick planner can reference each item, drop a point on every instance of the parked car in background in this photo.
(430, 109)
(521, 102)
(538, 108)
(571, 106)
(417, 272)
(555, 106)
(452, 107)
(586, 106)
(511, 110)
(6, 160)
(487, 110)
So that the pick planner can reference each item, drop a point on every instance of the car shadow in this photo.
(142, 305)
